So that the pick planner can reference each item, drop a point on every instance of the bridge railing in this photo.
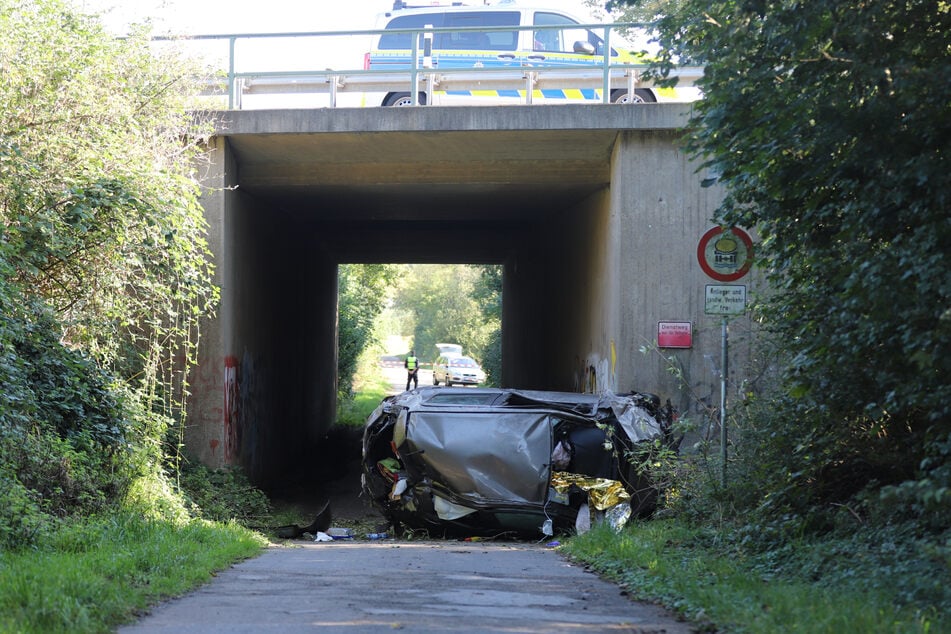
(276, 64)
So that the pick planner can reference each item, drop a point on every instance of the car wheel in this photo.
(403, 99)
(641, 95)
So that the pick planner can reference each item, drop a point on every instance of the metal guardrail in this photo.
(606, 75)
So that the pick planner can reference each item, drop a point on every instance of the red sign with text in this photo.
(674, 334)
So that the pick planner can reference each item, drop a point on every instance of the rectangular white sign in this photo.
(725, 299)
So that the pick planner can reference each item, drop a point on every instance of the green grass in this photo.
(720, 589)
(367, 396)
(96, 575)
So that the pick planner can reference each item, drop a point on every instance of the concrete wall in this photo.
(265, 388)
(587, 289)
(662, 213)
(556, 288)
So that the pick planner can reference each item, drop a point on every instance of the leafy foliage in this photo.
(363, 291)
(488, 295)
(103, 264)
(63, 431)
(224, 495)
(444, 309)
(828, 123)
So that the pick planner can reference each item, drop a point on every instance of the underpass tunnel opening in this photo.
(593, 212)
(280, 298)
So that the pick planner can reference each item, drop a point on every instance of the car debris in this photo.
(320, 524)
(486, 462)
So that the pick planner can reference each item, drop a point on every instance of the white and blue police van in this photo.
(497, 36)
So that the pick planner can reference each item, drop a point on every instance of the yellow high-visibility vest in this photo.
(411, 363)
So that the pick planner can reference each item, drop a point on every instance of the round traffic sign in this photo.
(725, 255)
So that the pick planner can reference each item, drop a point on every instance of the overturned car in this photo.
(487, 461)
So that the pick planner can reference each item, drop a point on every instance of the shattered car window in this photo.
(494, 461)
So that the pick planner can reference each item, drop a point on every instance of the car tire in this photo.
(641, 95)
(403, 99)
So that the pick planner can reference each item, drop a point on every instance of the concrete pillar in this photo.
(208, 431)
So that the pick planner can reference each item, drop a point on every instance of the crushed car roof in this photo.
(492, 460)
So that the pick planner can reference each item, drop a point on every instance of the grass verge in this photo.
(367, 396)
(98, 574)
(719, 589)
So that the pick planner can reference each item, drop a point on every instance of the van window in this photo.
(405, 40)
(489, 40)
(458, 40)
(563, 40)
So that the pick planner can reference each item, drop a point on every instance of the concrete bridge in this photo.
(594, 211)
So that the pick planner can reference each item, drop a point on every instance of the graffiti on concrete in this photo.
(597, 373)
(208, 380)
(232, 410)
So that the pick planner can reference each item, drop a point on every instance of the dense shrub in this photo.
(63, 446)
(224, 494)
(103, 267)
(854, 243)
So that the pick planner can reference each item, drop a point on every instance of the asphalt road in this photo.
(414, 586)
(396, 377)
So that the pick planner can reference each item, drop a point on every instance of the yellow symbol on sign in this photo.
(725, 253)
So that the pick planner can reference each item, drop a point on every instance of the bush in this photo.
(223, 494)
(62, 430)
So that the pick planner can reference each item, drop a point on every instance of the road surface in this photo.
(372, 587)
(396, 377)
(362, 586)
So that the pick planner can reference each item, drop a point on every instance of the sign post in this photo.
(726, 255)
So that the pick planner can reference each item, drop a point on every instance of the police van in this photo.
(487, 40)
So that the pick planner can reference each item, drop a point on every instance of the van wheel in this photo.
(403, 99)
(641, 95)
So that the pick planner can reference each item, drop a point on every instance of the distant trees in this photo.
(829, 125)
(488, 295)
(363, 292)
(445, 307)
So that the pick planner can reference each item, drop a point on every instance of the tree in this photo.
(829, 125)
(363, 291)
(97, 189)
(103, 265)
(645, 11)
(488, 295)
(441, 300)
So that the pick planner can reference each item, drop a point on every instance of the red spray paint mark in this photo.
(214, 445)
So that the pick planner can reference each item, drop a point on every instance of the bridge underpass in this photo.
(593, 210)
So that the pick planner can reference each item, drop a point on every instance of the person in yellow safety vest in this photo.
(412, 370)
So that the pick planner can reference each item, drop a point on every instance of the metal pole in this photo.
(606, 96)
(232, 82)
(723, 377)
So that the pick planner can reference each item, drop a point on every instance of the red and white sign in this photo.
(674, 334)
(726, 255)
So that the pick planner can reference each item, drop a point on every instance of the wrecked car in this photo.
(488, 461)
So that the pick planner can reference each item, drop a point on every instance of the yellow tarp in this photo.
(602, 492)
